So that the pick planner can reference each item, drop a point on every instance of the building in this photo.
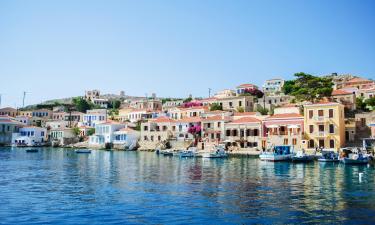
(151, 104)
(62, 136)
(126, 137)
(363, 122)
(42, 113)
(348, 99)
(8, 111)
(272, 101)
(104, 133)
(273, 86)
(243, 133)
(283, 129)
(187, 128)
(360, 83)
(172, 104)
(30, 136)
(56, 124)
(324, 126)
(93, 94)
(158, 130)
(94, 116)
(213, 128)
(135, 115)
(227, 93)
(235, 103)
(26, 120)
(102, 102)
(241, 89)
(8, 126)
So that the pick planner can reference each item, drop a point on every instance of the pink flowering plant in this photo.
(191, 104)
(254, 92)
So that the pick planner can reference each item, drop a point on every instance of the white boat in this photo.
(219, 152)
(190, 152)
(329, 156)
(300, 156)
(354, 156)
(277, 153)
(83, 151)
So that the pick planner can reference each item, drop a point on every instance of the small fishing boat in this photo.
(277, 153)
(300, 156)
(190, 152)
(329, 156)
(354, 156)
(83, 151)
(219, 152)
(166, 152)
(32, 150)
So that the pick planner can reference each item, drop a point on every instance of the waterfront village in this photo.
(309, 113)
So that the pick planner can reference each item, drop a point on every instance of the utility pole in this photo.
(0, 100)
(23, 99)
(209, 92)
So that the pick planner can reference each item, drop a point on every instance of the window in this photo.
(209, 125)
(311, 114)
(294, 141)
(230, 104)
(256, 132)
(331, 128)
(332, 143)
(218, 124)
(152, 138)
(285, 141)
(311, 143)
(321, 128)
(159, 138)
(321, 143)
(240, 103)
(145, 128)
(145, 138)
(228, 133)
(235, 133)
(363, 122)
(311, 128)
(320, 113)
(330, 113)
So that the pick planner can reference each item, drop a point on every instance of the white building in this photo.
(30, 136)
(273, 86)
(127, 137)
(104, 133)
(95, 116)
(8, 126)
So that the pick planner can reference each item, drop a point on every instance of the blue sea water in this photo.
(58, 186)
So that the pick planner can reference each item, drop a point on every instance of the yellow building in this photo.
(324, 126)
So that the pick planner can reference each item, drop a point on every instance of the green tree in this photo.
(91, 131)
(187, 100)
(76, 131)
(240, 109)
(216, 106)
(82, 105)
(360, 104)
(307, 87)
(370, 102)
(261, 110)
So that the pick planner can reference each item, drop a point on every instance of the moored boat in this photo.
(277, 153)
(83, 151)
(32, 150)
(329, 156)
(166, 152)
(190, 152)
(219, 152)
(354, 156)
(300, 156)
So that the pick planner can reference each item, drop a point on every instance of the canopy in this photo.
(293, 126)
(273, 126)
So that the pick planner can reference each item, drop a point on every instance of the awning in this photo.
(293, 126)
(372, 124)
(273, 126)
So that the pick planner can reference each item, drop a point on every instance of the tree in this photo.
(253, 92)
(370, 102)
(215, 106)
(307, 87)
(187, 100)
(76, 131)
(261, 110)
(91, 131)
(240, 109)
(360, 104)
(82, 105)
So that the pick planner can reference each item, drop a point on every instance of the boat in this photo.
(277, 153)
(354, 156)
(219, 152)
(300, 156)
(166, 152)
(83, 151)
(190, 152)
(32, 150)
(329, 156)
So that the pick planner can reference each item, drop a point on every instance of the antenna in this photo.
(23, 99)
(209, 92)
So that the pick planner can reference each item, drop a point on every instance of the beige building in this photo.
(348, 99)
(324, 126)
(234, 103)
(158, 130)
(213, 128)
(244, 133)
(8, 111)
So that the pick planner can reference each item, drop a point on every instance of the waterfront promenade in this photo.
(60, 187)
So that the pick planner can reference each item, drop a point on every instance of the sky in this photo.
(56, 49)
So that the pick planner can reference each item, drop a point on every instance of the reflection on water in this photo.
(61, 187)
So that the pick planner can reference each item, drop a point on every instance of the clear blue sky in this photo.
(55, 49)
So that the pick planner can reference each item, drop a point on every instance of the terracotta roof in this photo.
(110, 122)
(8, 109)
(244, 120)
(245, 113)
(189, 120)
(162, 119)
(323, 103)
(285, 116)
(127, 129)
(246, 86)
(358, 79)
(340, 92)
(216, 118)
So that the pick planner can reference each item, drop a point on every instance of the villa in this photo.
(213, 128)
(95, 116)
(30, 136)
(235, 103)
(158, 130)
(104, 133)
(243, 87)
(244, 132)
(126, 137)
(273, 86)
(187, 128)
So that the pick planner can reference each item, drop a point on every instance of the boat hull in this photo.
(303, 159)
(355, 161)
(328, 160)
(83, 151)
(213, 155)
(274, 158)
